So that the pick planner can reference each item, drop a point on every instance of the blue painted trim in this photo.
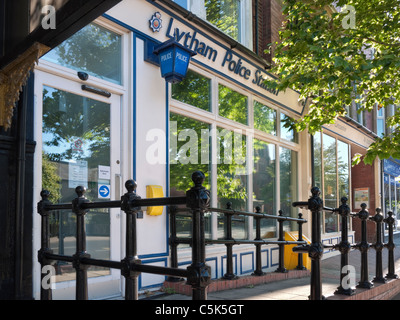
(234, 256)
(188, 262)
(223, 75)
(216, 266)
(274, 264)
(267, 265)
(140, 287)
(241, 262)
(328, 241)
(167, 163)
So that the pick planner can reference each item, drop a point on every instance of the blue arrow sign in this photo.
(104, 191)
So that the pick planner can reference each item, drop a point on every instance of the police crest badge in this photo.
(155, 22)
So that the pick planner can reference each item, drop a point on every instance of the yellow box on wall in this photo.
(291, 258)
(153, 191)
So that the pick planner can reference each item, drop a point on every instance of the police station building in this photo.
(104, 114)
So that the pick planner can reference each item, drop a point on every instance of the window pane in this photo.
(392, 195)
(317, 161)
(380, 127)
(232, 179)
(287, 133)
(76, 140)
(343, 169)
(264, 185)
(182, 3)
(288, 185)
(398, 203)
(232, 105)
(386, 187)
(94, 50)
(225, 15)
(264, 118)
(194, 90)
(189, 151)
(330, 200)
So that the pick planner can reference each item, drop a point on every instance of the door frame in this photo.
(103, 286)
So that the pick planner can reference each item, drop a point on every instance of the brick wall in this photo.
(269, 21)
(362, 176)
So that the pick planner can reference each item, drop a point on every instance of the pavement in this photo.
(299, 288)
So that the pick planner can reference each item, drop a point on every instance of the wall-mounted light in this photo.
(174, 60)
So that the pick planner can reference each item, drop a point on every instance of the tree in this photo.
(334, 59)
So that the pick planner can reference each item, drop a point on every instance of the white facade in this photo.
(141, 104)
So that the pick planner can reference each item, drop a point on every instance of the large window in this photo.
(233, 17)
(331, 175)
(247, 165)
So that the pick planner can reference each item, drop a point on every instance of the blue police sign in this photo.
(174, 60)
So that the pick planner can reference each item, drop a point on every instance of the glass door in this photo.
(81, 147)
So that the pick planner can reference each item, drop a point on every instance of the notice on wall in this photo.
(104, 172)
(361, 195)
(78, 174)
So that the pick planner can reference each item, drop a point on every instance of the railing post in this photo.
(363, 246)
(258, 271)
(378, 246)
(390, 246)
(198, 199)
(229, 275)
(80, 268)
(45, 288)
(131, 258)
(344, 247)
(281, 267)
(172, 241)
(300, 265)
(315, 249)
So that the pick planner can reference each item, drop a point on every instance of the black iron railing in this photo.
(229, 241)
(197, 274)
(316, 248)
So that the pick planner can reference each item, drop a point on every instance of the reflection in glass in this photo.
(343, 169)
(264, 185)
(317, 161)
(397, 203)
(225, 15)
(393, 195)
(76, 140)
(94, 50)
(195, 90)
(189, 151)
(286, 132)
(264, 118)
(330, 196)
(232, 105)
(232, 179)
(288, 184)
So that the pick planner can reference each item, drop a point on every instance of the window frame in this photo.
(215, 121)
(245, 32)
(322, 182)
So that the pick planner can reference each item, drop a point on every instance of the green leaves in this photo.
(333, 65)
